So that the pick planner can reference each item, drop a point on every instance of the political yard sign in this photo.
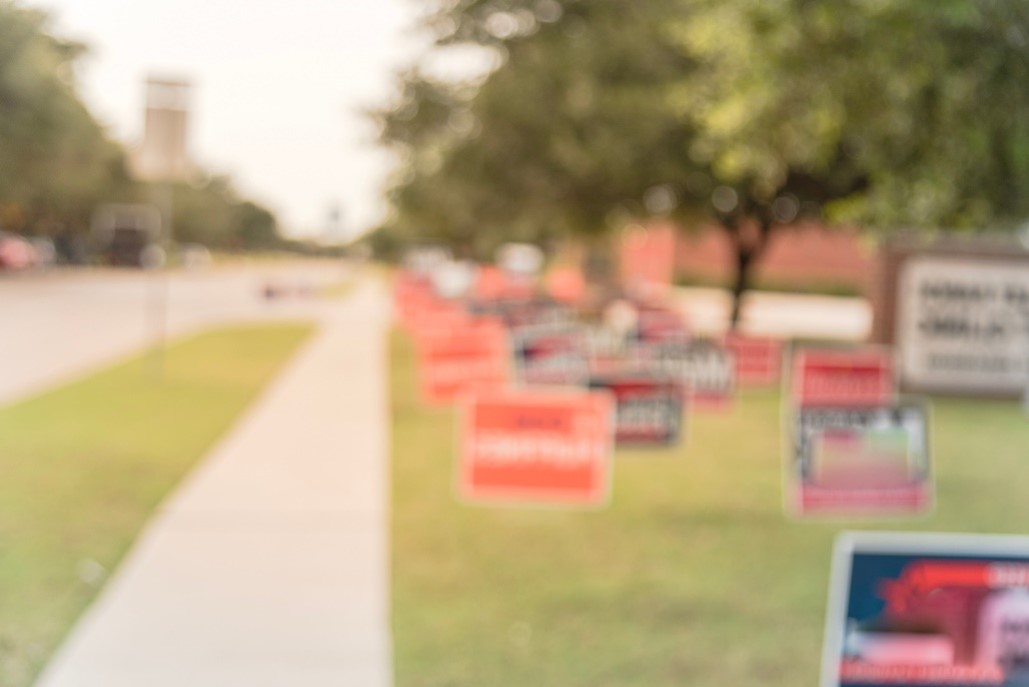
(931, 610)
(531, 447)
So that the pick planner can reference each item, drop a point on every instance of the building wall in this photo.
(804, 256)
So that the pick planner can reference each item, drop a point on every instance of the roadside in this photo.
(69, 322)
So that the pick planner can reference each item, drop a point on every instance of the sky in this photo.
(278, 90)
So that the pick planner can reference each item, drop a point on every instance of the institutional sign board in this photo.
(860, 461)
(529, 447)
(931, 610)
(963, 324)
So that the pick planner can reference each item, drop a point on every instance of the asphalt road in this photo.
(58, 325)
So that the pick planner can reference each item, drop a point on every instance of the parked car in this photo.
(16, 253)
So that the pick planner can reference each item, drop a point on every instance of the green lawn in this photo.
(691, 577)
(82, 467)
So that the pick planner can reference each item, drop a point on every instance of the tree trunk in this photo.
(744, 261)
(749, 246)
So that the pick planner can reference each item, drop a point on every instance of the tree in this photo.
(893, 114)
(539, 149)
(57, 164)
(56, 161)
(749, 112)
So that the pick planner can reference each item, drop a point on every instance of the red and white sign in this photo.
(758, 359)
(466, 356)
(493, 283)
(530, 447)
(858, 377)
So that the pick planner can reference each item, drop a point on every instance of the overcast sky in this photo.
(278, 88)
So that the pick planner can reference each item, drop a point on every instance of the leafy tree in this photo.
(889, 114)
(55, 159)
(748, 112)
(539, 149)
(57, 163)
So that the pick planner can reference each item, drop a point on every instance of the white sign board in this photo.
(963, 324)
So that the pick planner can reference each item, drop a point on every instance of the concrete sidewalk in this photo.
(269, 565)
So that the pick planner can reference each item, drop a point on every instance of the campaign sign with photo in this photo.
(649, 410)
(931, 610)
(855, 377)
(550, 355)
(850, 461)
(455, 359)
(758, 359)
(530, 447)
(706, 369)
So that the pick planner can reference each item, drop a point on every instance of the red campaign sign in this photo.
(860, 377)
(647, 256)
(438, 317)
(566, 284)
(493, 283)
(536, 447)
(411, 293)
(490, 283)
(758, 359)
(466, 356)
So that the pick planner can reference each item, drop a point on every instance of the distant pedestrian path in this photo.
(269, 565)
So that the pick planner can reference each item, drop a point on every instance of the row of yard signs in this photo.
(853, 448)
(530, 376)
(544, 398)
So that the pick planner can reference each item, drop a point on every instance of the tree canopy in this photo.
(749, 113)
(55, 160)
(57, 163)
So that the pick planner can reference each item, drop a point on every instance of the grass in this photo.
(804, 286)
(85, 465)
(691, 577)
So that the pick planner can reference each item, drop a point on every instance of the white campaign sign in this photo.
(963, 324)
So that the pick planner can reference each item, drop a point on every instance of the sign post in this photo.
(163, 159)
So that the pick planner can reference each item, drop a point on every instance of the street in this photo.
(55, 326)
